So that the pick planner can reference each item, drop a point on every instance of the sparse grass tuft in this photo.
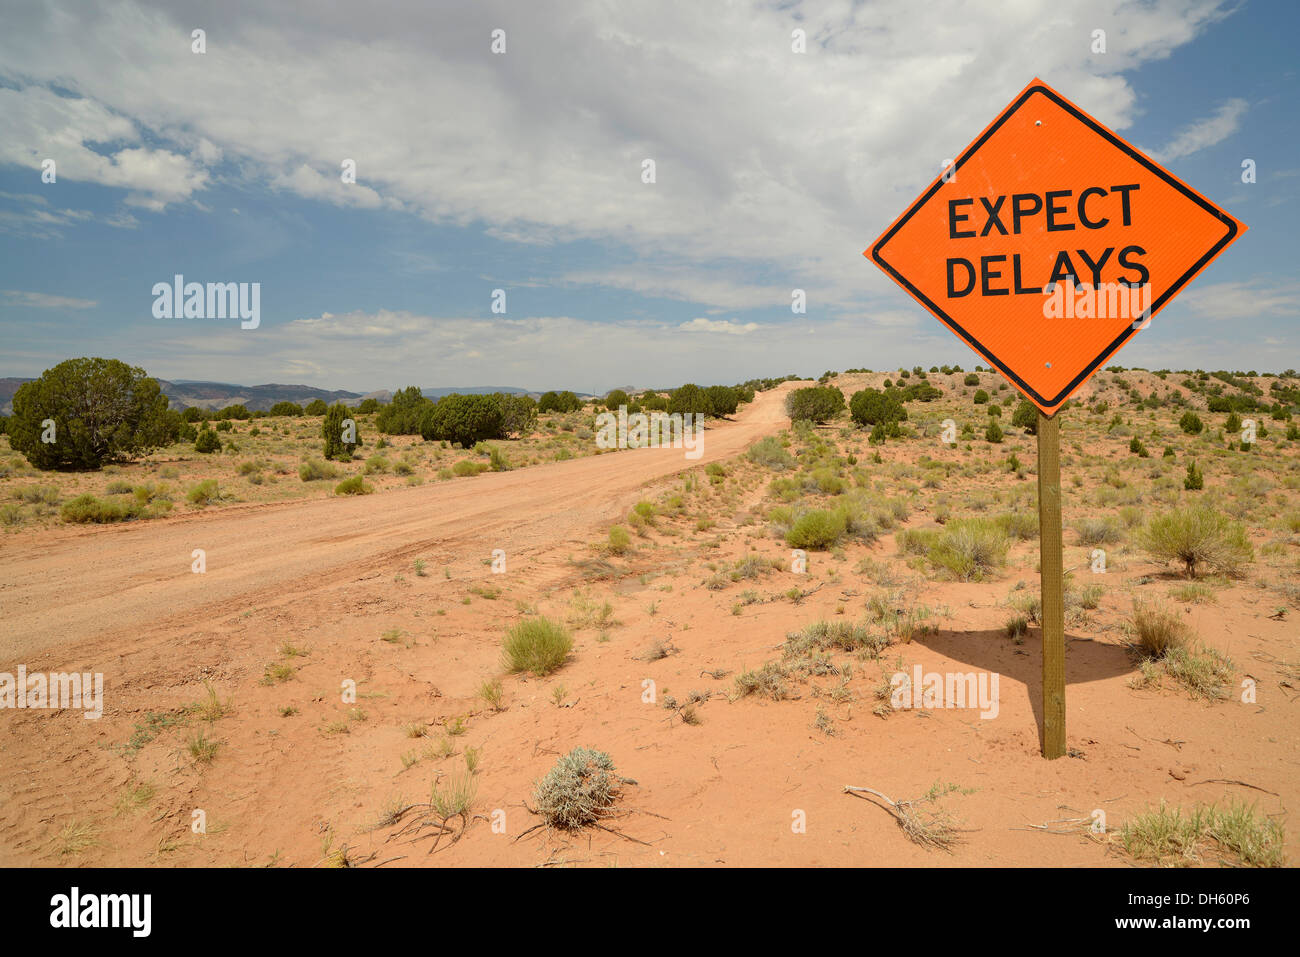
(1171, 837)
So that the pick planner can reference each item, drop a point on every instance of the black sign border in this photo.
(1124, 336)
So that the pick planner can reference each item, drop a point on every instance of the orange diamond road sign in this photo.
(1050, 242)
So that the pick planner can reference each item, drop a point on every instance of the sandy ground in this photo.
(756, 783)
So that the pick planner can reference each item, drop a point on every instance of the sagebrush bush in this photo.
(88, 508)
(313, 470)
(816, 528)
(466, 467)
(1199, 537)
(539, 645)
(355, 485)
(769, 453)
(202, 492)
(1098, 530)
(49, 494)
(580, 790)
(619, 540)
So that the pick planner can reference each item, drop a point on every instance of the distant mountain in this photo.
(216, 395)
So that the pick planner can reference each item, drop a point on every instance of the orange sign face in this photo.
(1049, 243)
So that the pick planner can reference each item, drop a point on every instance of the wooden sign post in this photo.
(1052, 580)
(1046, 246)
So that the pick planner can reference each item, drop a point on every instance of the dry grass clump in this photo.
(1100, 530)
(769, 681)
(1157, 629)
(1169, 646)
(580, 790)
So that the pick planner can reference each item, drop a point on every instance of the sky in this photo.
(523, 171)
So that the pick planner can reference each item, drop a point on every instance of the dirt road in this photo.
(64, 589)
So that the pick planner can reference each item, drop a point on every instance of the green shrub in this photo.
(559, 402)
(103, 411)
(1191, 423)
(969, 549)
(47, 494)
(466, 419)
(1201, 538)
(971, 379)
(355, 485)
(539, 645)
(340, 432)
(770, 453)
(816, 528)
(619, 540)
(313, 470)
(286, 408)
(87, 508)
(723, 399)
(316, 407)
(1026, 417)
(207, 441)
(871, 406)
(404, 414)
(1194, 481)
(689, 398)
(202, 493)
(981, 397)
(467, 467)
(993, 433)
(518, 413)
(814, 404)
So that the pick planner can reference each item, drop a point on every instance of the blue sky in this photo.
(522, 171)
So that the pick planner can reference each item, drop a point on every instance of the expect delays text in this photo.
(1061, 210)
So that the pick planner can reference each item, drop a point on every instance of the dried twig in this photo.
(938, 831)
(1234, 781)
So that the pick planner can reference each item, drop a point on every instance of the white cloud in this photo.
(38, 124)
(766, 160)
(32, 216)
(723, 326)
(1203, 133)
(40, 300)
(363, 351)
(1253, 299)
